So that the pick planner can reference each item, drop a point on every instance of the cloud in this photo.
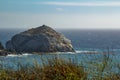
(82, 3)
(88, 21)
(60, 9)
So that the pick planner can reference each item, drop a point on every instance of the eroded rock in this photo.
(40, 39)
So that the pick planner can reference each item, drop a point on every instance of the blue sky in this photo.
(60, 13)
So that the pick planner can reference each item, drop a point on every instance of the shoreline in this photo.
(7, 53)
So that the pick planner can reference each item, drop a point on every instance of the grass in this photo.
(61, 69)
(56, 69)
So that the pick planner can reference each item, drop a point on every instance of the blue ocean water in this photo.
(80, 38)
(94, 38)
(84, 41)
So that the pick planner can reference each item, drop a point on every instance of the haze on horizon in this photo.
(87, 14)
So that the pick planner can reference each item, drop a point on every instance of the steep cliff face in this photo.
(40, 39)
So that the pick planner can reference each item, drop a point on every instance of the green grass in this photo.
(61, 69)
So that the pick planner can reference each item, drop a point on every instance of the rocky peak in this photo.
(41, 29)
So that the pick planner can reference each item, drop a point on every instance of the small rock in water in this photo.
(1, 46)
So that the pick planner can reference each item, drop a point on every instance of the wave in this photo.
(26, 54)
(18, 55)
(77, 51)
(63, 53)
(12, 55)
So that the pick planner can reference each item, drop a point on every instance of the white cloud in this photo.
(82, 3)
(60, 9)
(10, 20)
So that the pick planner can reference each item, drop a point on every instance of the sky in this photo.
(74, 14)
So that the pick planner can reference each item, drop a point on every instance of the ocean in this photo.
(83, 41)
(80, 38)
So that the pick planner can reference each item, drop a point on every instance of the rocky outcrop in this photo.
(5, 53)
(1, 46)
(40, 39)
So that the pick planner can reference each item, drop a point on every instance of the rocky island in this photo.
(40, 39)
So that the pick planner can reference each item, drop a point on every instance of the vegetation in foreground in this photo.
(60, 69)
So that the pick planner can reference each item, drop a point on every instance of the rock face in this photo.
(1, 46)
(40, 39)
(5, 53)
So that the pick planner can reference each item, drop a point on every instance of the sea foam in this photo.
(18, 55)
